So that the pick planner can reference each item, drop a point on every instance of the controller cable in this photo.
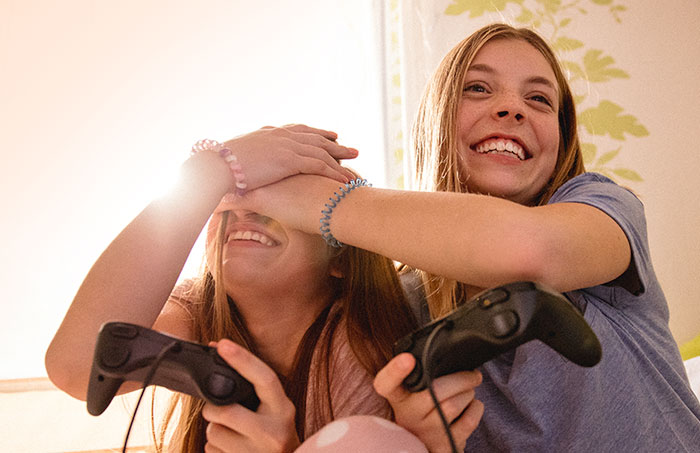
(146, 382)
(429, 378)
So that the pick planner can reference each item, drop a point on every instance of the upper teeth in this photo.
(501, 145)
(252, 236)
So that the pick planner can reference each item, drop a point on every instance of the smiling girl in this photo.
(309, 325)
(506, 198)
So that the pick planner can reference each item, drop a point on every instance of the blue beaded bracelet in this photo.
(334, 200)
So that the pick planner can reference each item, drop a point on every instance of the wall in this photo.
(100, 102)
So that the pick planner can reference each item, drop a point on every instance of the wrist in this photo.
(330, 205)
(225, 153)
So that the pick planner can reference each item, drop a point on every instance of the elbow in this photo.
(64, 375)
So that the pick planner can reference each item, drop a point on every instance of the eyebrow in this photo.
(480, 67)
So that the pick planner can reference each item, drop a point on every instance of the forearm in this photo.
(134, 276)
(479, 240)
(445, 233)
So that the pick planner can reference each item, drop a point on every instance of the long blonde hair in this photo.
(437, 165)
(372, 303)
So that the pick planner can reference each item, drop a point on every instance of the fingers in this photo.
(388, 381)
(267, 384)
(323, 139)
(466, 423)
(311, 166)
(233, 424)
(219, 437)
(330, 135)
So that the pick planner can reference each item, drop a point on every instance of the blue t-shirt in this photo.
(637, 399)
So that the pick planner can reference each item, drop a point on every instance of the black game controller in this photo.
(126, 352)
(493, 322)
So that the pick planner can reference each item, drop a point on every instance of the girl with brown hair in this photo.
(313, 323)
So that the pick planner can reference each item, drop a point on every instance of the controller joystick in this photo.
(126, 352)
(493, 322)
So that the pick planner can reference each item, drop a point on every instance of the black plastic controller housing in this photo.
(126, 352)
(495, 321)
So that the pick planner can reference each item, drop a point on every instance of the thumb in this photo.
(388, 382)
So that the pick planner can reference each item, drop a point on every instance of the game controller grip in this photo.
(568, 333)
(101, 391)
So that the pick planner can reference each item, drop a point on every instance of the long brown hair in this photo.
(376, 315)
(437, 165)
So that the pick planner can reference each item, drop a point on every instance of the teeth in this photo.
(252, 236)
(503, 146)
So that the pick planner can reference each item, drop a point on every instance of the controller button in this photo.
(504, 323)
(124, 331)
(494, 297)
(220, 386)
(115, 356)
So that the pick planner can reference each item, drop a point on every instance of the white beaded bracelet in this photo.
(230, 158)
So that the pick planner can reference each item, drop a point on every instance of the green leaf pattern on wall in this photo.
(607, 119)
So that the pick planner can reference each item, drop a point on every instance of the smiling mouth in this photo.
(253, 236)
(502, 146)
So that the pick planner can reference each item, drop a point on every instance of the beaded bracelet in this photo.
(326, 218)
(225, 153)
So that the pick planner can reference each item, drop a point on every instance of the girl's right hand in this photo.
(237, 429)
(271, 154)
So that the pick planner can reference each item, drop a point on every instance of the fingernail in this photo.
(405, 361)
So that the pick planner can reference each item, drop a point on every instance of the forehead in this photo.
(513, 58)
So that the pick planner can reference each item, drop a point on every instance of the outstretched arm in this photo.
(134, 276)
(479, 240)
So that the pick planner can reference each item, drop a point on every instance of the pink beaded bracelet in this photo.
(230, 158)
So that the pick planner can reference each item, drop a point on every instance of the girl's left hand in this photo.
(237, 429)
(416, 411)
(271, 154)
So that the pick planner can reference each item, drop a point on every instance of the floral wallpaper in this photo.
(604, 123)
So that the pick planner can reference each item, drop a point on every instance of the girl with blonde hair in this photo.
(505, 198)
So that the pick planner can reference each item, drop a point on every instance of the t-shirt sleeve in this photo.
(626, 210)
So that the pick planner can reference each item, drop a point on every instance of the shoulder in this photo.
(597, 189)
(626, 209)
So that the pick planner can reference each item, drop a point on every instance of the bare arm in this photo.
(132, 279)
(134, 276)
(480, 240)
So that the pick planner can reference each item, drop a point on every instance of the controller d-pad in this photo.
(220, 386)
(504, 323)
(114, 356)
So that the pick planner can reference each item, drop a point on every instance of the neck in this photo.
(277, 320)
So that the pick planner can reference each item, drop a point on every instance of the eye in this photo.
(542, 99)
(475, 88)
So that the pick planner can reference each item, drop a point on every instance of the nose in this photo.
(508, 106)
(504, 113)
